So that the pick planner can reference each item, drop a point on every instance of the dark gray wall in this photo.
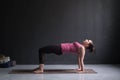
(28, 25)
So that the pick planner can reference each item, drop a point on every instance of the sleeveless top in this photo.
(70, 47)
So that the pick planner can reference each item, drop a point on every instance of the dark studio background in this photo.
(27, 25)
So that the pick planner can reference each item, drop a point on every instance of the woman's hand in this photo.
(79, 69)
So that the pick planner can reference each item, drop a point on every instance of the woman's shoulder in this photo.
(82, 47)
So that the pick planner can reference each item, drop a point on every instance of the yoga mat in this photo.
(52, 71)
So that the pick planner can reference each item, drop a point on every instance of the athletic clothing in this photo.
(55, 49)
(58, 49)
(70, 47)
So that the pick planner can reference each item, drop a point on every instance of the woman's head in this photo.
(88, 44)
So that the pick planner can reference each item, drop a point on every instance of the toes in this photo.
(38, 71)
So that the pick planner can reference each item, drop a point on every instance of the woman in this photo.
(63, 48)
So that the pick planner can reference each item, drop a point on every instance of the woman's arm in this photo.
(81, 54)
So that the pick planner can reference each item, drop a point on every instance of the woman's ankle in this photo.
(41, 67)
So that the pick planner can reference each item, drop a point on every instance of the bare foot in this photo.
(38, 71)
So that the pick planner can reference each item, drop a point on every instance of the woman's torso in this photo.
(70, 47)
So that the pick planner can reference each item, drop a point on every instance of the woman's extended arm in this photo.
(81, 54)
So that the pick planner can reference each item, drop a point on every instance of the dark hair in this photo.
(91, 47)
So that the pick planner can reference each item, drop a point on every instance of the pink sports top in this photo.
(70, 47)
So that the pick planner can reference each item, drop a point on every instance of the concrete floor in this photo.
(105, 72)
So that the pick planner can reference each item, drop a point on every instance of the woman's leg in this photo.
(40, 69)
(47, 50)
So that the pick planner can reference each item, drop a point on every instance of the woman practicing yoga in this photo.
(63, 48)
